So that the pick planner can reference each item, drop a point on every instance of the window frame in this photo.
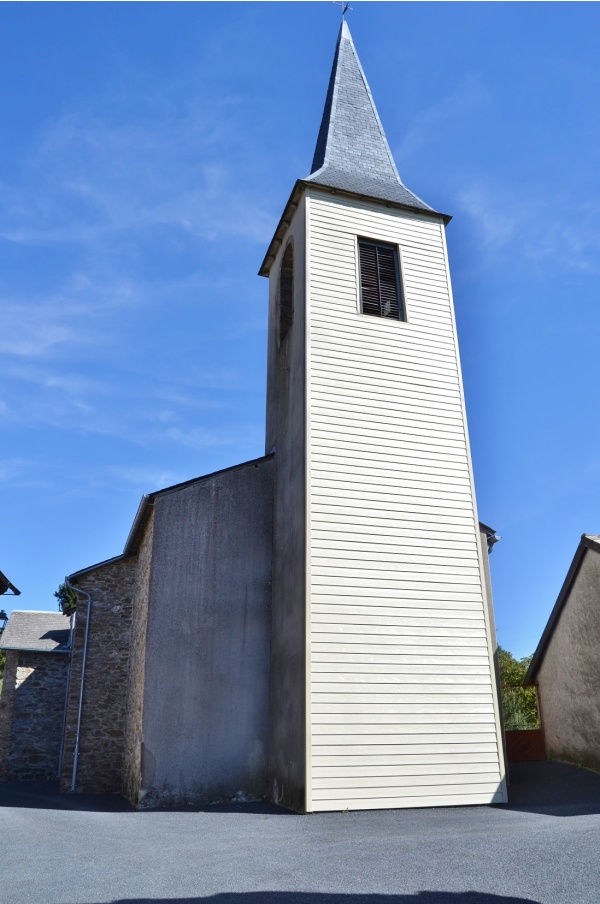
(399, 272)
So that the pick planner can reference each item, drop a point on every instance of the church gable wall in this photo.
(205, 705)
(106, 678)
(133, 724)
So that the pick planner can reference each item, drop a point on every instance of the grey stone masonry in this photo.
(31, 715)
(132, 762)
(111, 585)
(7, 699)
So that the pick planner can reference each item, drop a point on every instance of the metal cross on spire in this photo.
(345, 8)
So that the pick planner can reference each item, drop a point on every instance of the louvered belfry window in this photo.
(380, 289)
(286, 292)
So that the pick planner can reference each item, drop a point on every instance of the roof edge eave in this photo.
(586, 542)
(82, 571)
(302, 184)
(23, 649)
(147, 501)
(9, 586)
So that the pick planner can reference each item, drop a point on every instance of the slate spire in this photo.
(352, 152)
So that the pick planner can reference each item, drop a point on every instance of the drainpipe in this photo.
(66, 706)
(83, 661)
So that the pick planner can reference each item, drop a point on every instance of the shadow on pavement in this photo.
(293, 897)
(262, 807)
(46, 796)
(553, 789)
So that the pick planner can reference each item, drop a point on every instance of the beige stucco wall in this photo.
(206, 673)
(569, 677)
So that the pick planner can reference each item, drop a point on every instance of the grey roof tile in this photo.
(352, 153)
(46, 632)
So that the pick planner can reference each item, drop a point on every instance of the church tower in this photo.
(382, 681)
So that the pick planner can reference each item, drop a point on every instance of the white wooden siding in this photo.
(400, 698)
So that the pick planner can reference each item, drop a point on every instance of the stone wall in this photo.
(100, 765)
(33, 702)
(132, 764)
(6, 709)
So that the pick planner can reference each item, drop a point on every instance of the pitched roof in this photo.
(145, 507)
(5, 586)
(352, 153)
(45, 632)
(588, 541)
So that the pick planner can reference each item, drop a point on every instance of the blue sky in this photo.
(148, 150)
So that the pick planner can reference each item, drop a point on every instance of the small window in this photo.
(286, 292)
(380, 288)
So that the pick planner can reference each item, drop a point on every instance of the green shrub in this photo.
(519, 704)
(67, 599)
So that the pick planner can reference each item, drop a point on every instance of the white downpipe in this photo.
(83, 661)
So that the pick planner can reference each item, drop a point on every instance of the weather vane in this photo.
(345, 8)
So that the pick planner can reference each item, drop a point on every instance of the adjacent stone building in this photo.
(314, 626)
(565, 666)
(32, 705)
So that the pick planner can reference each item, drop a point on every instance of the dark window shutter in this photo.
(380, 280)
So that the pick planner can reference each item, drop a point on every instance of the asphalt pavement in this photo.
(543, 847)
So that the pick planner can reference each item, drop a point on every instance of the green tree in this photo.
(67, 599)
(518, 703)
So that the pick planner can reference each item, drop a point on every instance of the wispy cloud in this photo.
(95, 176)
(145, 411)
(497, 223)
(37, 327)
(202, 438)
(149, 478)
(11, 468)
(469, 95)
(115, 207)
(546, 227)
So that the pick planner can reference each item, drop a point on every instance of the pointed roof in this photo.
(352, 153)
(588, 541)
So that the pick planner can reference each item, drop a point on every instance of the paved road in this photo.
(543, 848)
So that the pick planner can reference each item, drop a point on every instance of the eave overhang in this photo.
(145, 507)
(294, 200)
(7, 587)
(586, 542)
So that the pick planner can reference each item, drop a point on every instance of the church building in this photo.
(314, 627)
